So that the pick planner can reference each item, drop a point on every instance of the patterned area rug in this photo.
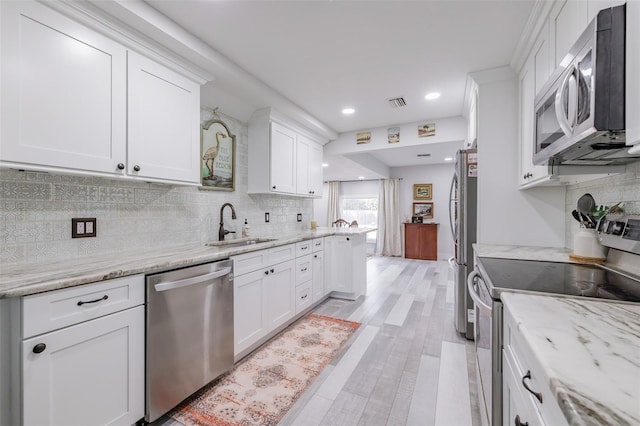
(261, 389)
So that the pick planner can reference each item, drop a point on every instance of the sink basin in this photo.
(239, 243)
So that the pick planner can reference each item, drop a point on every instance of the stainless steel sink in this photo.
(239, 243)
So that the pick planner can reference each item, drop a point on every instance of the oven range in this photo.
(618, 279)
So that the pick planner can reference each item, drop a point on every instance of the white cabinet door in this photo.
(315, 170)
(340, 266)
(63, 93)
(567, 20)
(164, 123)
(279, 294)
(283, 159)
(88, 374)
(249, 316)
(542, 63)
(318, 276)
(303, 148)
(517, 409)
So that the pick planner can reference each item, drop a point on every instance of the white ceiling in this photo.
(325, 55)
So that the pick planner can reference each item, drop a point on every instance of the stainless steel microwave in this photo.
(580, 111)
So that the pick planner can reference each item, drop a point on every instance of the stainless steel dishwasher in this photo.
(189, 339)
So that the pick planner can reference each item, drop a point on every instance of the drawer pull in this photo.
(304, 297)
(519, 423)
(39, 348)
(538, 395)
(304, 247)
(303, 270)
(105, 297)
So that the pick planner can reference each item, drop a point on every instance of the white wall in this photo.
(507, 215)
(439, 176)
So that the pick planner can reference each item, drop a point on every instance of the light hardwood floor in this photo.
(406, 364)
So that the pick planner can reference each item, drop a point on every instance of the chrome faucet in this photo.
(222, 232)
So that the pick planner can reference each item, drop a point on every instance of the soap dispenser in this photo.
(245, 229)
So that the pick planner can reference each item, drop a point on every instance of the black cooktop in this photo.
(559, 278)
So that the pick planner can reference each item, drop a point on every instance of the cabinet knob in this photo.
(266, 272)
(39, 348)
(519, 423)
(120, 166)
(272, 271)
(348, 239)
(274, 187)
(136, 168)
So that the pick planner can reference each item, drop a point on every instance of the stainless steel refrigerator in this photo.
(463, 219)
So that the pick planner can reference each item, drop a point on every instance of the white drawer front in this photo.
(249, 262)
(281, 254)
(317, 244)
(303, 248)
(60, 308)
(303, 297)
(304, 269)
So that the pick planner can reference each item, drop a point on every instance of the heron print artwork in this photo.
(217, 159)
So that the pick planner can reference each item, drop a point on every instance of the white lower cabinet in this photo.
(279, 294)
(249, 317)
(527, 397)
(82, 353)
(346, 264)
(87, 374)
(317, 280)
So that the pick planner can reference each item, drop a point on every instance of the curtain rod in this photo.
(356, 180)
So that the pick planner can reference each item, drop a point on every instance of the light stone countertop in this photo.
(589, 351)
(31, 278)
(547, 254)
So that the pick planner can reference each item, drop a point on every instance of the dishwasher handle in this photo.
(473, 292)
(191, 281)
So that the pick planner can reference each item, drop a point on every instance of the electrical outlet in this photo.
(266, 217)
(299, 217)
(82, 227)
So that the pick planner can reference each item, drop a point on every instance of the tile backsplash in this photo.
(36, 211)
(606, 191)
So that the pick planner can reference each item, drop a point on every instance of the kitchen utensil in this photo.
(576, 216)
(586, 204)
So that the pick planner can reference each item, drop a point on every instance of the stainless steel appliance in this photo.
(580, 111)
(189, 333)
(618, 279)
(463, 218)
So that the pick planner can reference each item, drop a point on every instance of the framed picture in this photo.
(426, 130)
(393, 134)
(363, 137)
(217, 156)
(425, 210)
(422, 191)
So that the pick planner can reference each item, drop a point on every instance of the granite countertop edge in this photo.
(505, 251)
(32, 278)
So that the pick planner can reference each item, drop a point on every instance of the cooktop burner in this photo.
(559, 278)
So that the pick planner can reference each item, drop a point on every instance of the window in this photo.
(362, 210)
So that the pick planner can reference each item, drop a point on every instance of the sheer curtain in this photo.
(333, 210)
(389, 242)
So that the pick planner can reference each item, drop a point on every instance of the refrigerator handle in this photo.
(471, 285)
(452, 263)
(451, 201)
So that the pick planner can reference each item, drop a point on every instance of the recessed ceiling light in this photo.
(433, 95)
(348, 111)
(360, 177)
(448, 159)
(325, 165)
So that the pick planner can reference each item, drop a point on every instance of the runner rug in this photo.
(261, 389)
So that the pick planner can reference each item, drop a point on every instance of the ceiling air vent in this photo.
(397, 102)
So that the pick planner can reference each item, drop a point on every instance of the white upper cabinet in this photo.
(164, 122)
(76, 101)
(63, 92)
(282, 158)
(309, 167)
(567, 20)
